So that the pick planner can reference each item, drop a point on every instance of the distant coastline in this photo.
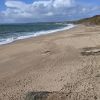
(95, 20)
(23, 31)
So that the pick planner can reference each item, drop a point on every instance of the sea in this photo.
(13, 32)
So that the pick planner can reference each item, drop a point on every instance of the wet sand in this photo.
(65, 64)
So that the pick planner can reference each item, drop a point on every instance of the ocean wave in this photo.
(34, 34)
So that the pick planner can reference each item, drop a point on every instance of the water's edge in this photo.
(10, 40)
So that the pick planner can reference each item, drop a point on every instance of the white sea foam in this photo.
(6, 41)
(12, 39)
(53, 31)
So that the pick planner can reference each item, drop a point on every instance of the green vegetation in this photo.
(95, 20)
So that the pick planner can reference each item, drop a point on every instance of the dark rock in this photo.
(42, 95)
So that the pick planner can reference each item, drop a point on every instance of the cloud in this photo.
(16, 4)
(38, 10)
(62, 3)
(44, 10)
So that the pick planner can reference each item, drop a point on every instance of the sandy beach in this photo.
(65, 64)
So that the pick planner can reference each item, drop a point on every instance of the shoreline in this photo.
(66, 62)
(10, 40)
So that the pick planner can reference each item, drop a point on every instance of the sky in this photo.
(26, 11)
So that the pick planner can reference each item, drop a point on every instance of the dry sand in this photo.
(60, 66)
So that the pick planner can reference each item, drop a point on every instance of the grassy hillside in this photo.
(95, 20)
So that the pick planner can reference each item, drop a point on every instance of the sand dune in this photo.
(60, 66)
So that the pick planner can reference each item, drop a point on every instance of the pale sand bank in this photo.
(67, 61)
